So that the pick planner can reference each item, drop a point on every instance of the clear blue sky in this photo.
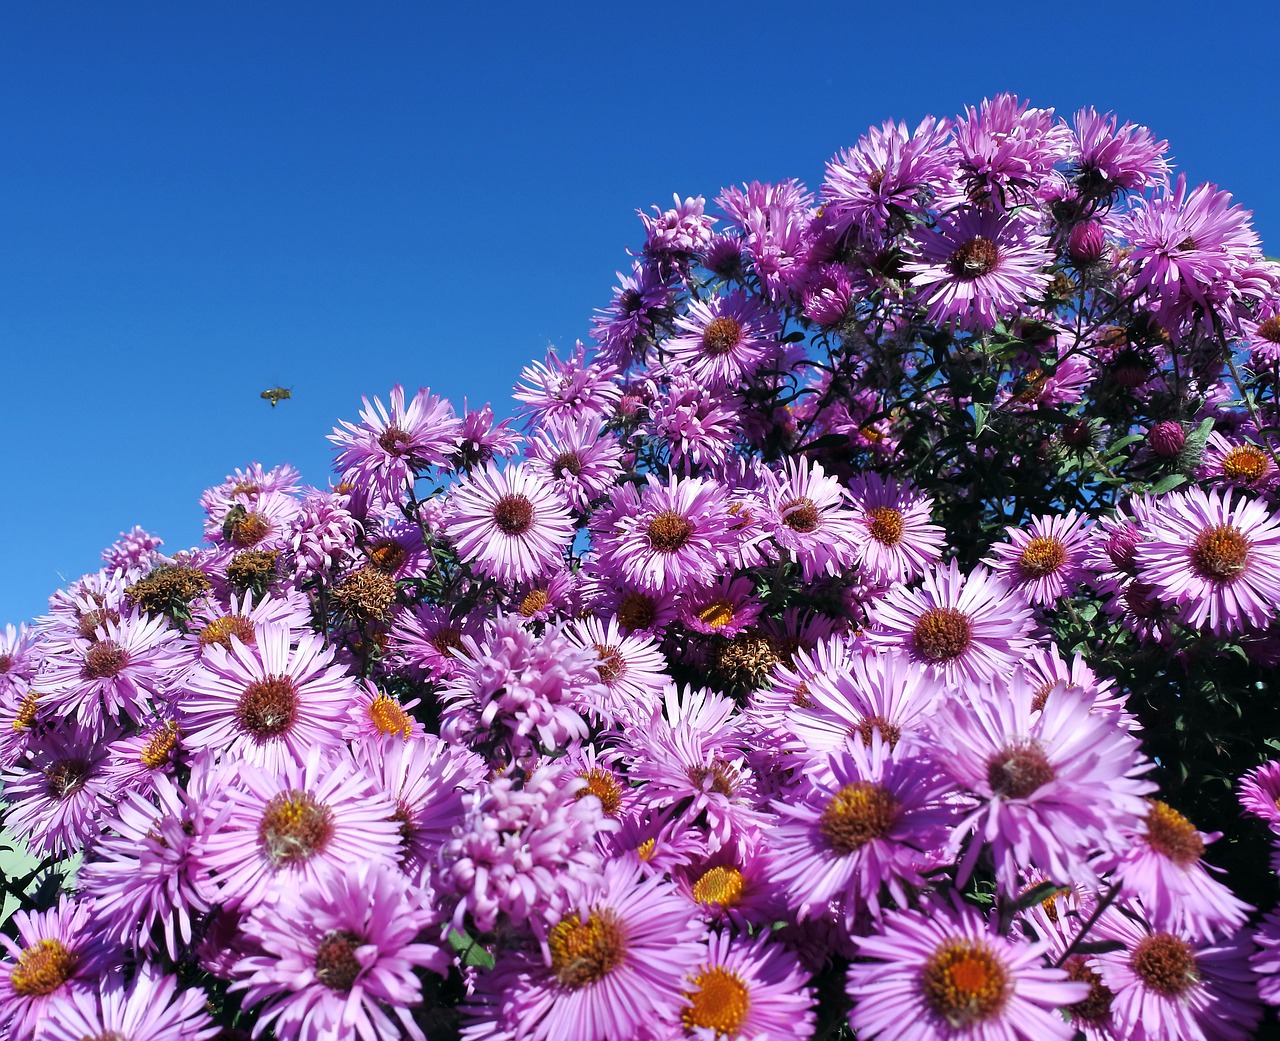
(204, 200)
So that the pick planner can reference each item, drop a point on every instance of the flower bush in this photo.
(872, 635)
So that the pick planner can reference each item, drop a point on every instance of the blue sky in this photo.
(201, 201)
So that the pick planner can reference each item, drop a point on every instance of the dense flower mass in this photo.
(867, 638)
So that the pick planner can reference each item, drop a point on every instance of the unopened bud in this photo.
(1087, 243)
(1167, 438)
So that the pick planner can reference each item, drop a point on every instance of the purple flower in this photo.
(1110, 159)
(151, 1007)
(1006, 149)
(724, 339)
(1045, 560)
(558, 392)
(898, 541)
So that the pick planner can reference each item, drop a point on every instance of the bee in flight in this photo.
(275, 394)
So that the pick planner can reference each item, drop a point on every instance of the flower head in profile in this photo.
(391, 445)
(945, 973)
(1109, 158)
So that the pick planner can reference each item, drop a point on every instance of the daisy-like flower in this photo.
(1260, 793)
(152, 1008)
(899, 541)
(266, 704)
(978, 267)
(1044, 561)
(745, 990)
(616, 966)
(724, 339)
(971, 626)
(1266, 961)
(55, 952)
(1108, 158)
(1052, 785)
(385, 452)
(1237, 463)
(561, 391)
(944, 973)
(631, 667)
(57, 797)
(734, 885)
(1168, 986)
(809, 518)
(272, 831)
(1188, 250)
(675, 236)
(892, 170)
(580, 457)
(511, 525)
(429, 642)
(1164, 867)
(666, 537)
(264, 521)
(339, 956)
(322, 534)
(212, 621)
(625, 329)
(1005, 148)
(1217, 559)
(726, 609)
(870, 822)
(699, 424)
(482, 439)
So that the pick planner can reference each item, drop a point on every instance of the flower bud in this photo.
(1167, 438)
(1087, 243)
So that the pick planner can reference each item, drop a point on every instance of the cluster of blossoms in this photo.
(845, 646)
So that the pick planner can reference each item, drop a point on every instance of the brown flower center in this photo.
(604, 786)
(868, 725)
(159, 747)
(566, 463)
(66, 777)
(719, 1002)
(336, 964)
(220, 631)
(637, 611)
(723, 777)
(1186, 245)
(251, 529)
(611, 665)
(585, 952)
(1165, 964)
(366, 594)
(973, 259)
(105, 660)
(669, 531)
(886, 524)
(387, 555)
(42, 968)
(513, 514)
(1220, 554)
(1246, 463)
(268, 707)
(394, 441)
(941, 634)
(1270, 329)
(721, 335)
(856, 814)
(294, 828)
(91, 621)
(1171, 834)
(801, 515)
(1019, 769)
(1096, 1008)
(719, 885)
(965, 983)
(389, 717)
(1043, 555)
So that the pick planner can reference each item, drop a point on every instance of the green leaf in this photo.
(1168, 484)
(470, 951)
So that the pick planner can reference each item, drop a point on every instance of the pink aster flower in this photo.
(1044, 561)
(734, 886)
(1006, 148)
(631, 666)
(266, 704)
(1170, 987)
(891, 171)
(1266, 960)
(134, 551)
(153, 1007)
(521, 853)
(809, 518)
(213, 621)
(625, 329)
(1260, 793)
(674, 236)
(511, 525)
(1217, 559)
(272, 831)
(868, 823)
(971, 626)
(580, 457)
(615, 966)
(339, 956)
(1188, 250)
(263, 521)
(724, 339)
(1108, 158)
(898, 541)
(945, 973)
(744, 990)
(54, 953)
(57, 797)
(698, 424)
(428, 642)
(665, 538)
(561, 391)
(1237, 463)
(482, 439)
(1053, 785)
(322, 534)
(725, 609)
(978, 267)
(1164, 867)
(385, 453)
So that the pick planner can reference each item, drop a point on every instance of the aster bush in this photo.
(870, 635)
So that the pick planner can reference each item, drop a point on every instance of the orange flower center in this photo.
(1043, 555)
(856, 814)
(942, 633)
(583, 953)
(719, 1001)
(965, 983)
(42, 968)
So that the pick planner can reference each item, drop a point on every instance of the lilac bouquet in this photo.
(870, 636)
